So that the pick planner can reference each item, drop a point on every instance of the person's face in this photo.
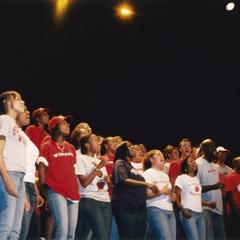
(185, 148)
(209, 150)
(17, 104)
(111, 145)
(93, 144)
(135, 153)
(64, 128)
(174, 155)
(222, 155)
(43, 118)
(193, 154)
(157, 160)
(23, 119)
(192, 166)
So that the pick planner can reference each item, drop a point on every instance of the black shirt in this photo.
(124, 193)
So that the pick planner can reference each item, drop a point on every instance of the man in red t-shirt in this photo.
(185, 149)
(232, 189)
(37, 131)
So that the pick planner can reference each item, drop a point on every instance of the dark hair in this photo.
(122, 152)
(54, 133)
(75, 139)
(84, 140)
(184, 167)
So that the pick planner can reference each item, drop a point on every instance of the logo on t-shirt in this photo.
(62, 154)
(197, 189)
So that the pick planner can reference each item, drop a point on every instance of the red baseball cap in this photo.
(54, 121)
(39, 111)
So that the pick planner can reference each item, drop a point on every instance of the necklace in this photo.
(61, 148)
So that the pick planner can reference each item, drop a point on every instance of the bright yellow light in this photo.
(230, 6)
(124, 11)
(61, 6)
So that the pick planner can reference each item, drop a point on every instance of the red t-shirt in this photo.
(60, 174)
(232, 184)
(36, 134)
(174, 169)
(109, 168)
(109, 165)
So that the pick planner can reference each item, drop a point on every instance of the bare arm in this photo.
(178, 191)
(164, 191)
(132, 182)
(9, 184)
(212, 187)
(85, 180)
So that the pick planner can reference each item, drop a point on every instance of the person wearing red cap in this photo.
(37, 131)
(57, 174)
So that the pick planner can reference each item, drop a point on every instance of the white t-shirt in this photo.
(208, 174)
(191, 192)
(32, 155)
(14, 152)
(224, 169)
(160, 179)
(138, 167)
(98, 188)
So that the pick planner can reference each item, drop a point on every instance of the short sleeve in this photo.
(4, 126)
(120, 171)
(80, 167)
(147, 177)
(44, 154)
(179, 182)
(229, 184)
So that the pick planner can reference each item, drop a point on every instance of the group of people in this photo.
(59, 184)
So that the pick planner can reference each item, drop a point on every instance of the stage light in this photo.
(125, 11)
(230, 6)
(61, 7)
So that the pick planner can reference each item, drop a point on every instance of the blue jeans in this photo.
(214, 225)
(114, 230)
(194, 227)
(96, 216)
(65, 215)
(162, 223)
(11, 208)
(31, 196)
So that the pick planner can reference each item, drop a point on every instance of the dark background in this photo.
(171, 73)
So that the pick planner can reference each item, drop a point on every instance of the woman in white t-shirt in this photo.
(160, 213)
(95, 208)
(188, 189)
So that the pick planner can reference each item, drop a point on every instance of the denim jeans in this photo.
(194, 227)
(31, 196)
(65, 214)
(114, 230)
(11, 208)
(131, 223)
(162, 222)
(214, 225)
(95, 216)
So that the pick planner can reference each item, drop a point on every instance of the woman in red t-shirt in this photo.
(56, 168)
